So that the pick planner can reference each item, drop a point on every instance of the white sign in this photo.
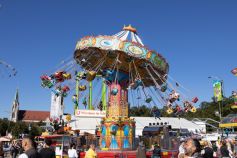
(90, 113)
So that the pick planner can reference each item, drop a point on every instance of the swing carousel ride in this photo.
(123, 73)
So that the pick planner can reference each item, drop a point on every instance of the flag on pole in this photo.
(217, 85)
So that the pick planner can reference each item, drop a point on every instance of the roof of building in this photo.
(28, 115)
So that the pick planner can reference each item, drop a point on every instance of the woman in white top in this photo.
(72, 153)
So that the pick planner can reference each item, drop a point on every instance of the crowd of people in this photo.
(27, 148)
(192, 148)
(189, 148)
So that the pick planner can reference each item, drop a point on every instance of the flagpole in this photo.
(219, 102)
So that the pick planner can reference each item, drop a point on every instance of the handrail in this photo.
(205, 121)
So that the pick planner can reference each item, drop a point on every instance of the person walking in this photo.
(141, 150)
(1, 150)
(224, 149)
(47, 151)
(14, 149)
(91, 153)
(156, 152)
(28, 146)
(72, 153)
(208, 151)
(192, 148)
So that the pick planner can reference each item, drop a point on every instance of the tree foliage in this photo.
(140, 111)
(3, 126)
(205, 110)
(18, 128)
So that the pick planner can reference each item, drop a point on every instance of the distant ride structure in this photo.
(7, 70)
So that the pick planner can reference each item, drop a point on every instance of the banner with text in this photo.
(90, 113)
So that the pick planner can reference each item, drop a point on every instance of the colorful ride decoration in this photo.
(109, 47)
(55, 123)
(117, 55)
(117, 128)
(54, 80)
(234, 71)
(63, 91)
(46, 81)
(117, 134)
(126, 65)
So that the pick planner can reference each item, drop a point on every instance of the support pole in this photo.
(77, 93)
(220, 110)
(104, 94)
(90, 95)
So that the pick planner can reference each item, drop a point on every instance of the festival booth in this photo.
(229, 122)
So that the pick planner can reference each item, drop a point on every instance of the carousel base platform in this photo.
(129, 154)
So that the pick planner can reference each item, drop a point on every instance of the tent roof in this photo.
(89, 124)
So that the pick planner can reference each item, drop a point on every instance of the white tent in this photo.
(88, 124)
(175, 123)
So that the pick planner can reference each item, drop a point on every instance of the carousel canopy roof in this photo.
(129, 31)
(126, 50)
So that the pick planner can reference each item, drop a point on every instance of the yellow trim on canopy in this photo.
(228, 125)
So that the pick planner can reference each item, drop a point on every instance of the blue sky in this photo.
(197, 38)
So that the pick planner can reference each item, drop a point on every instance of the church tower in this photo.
(15, 108)
(57, 106)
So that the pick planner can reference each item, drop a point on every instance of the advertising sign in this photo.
(90, 113)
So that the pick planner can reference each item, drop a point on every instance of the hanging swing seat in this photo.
(65, 89)
(58, 76)
(193, 109)
(107, 73)
(84, 102)
(195, 100)
(163, 87)
(81, 75)
(82, 87)
(74, 99)
(57, 91)
(47, 84)
(67, 76)
(169, 111)
(148, 100)
(46, 81)
(90, 76)
(136, 84)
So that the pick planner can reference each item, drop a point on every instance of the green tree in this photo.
(141, 111)
(19, 128)
(35, 130)
(3, 126)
